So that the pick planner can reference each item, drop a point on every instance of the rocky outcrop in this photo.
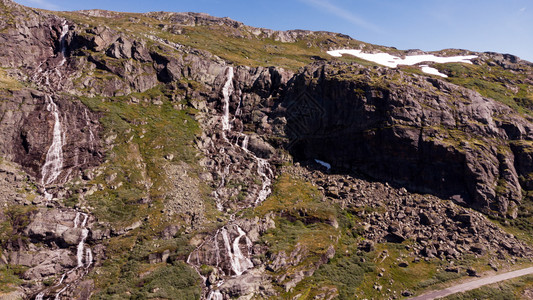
(27, 129)
(411, 130)
(180, 22)
(14, 188)
(424, 133)
(55, 246)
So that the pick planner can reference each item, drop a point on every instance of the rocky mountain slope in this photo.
(183, 156)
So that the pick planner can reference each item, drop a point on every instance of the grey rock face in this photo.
(27, 129)
(426, 134)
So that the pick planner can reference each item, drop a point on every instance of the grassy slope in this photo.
(145, 133)
(238, 46)
(165, 130)
(494, 82)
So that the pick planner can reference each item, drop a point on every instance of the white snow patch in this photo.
(323, 163)
(392, 61)
(429, 70)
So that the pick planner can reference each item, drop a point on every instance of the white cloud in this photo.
(41, 4)
(342, 13)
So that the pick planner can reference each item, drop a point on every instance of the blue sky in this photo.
(491, 25)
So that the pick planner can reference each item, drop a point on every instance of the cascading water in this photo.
(215, 295)
(226, 92)
(52, 168)
(239, 262)
(62, 42)
(84, 259)
(230, 250)
(53, 164)
(263, 167)
(88, 123)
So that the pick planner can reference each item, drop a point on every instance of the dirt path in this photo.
(471, 285)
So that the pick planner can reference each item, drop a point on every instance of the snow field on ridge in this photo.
(392, 61)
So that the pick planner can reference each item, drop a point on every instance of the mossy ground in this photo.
(493, 82)
(7, 82)
(142, 138)
(144, 133)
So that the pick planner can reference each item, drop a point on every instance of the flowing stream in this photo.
(263, 167)
(51, 170)
(228, 251)
(53, 164)
(83, 254)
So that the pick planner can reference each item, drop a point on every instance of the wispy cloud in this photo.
(342, 13)
(41, 4)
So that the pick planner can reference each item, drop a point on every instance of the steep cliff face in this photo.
(33, 52)
(169, 155)
(420, 132)
(28, 132)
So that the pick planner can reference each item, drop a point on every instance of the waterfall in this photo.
(83, 254)
(226, 126)
(245, 141)
(62, 42)
(80, 253)
(239, 263)
(227, 250)
(53, 164)
(88, 124)
(262, 168)
(81, 244)
(215, 295)
(226, 92)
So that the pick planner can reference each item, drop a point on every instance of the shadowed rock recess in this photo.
(185, 156)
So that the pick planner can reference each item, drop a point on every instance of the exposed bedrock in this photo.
(424, 133)
(27, 129)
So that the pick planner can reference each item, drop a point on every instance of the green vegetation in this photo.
(7, 82)
(345, 272)
(143, 135)
(296, 199)
(10, 277)
(144, 138)
(302, 217)
(127, 271)
(161, 281)
(16, 218)
(303, 221)
(243, 45)
(492, 82)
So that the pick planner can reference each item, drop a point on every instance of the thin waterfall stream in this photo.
(238, 261)
(50, 173)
